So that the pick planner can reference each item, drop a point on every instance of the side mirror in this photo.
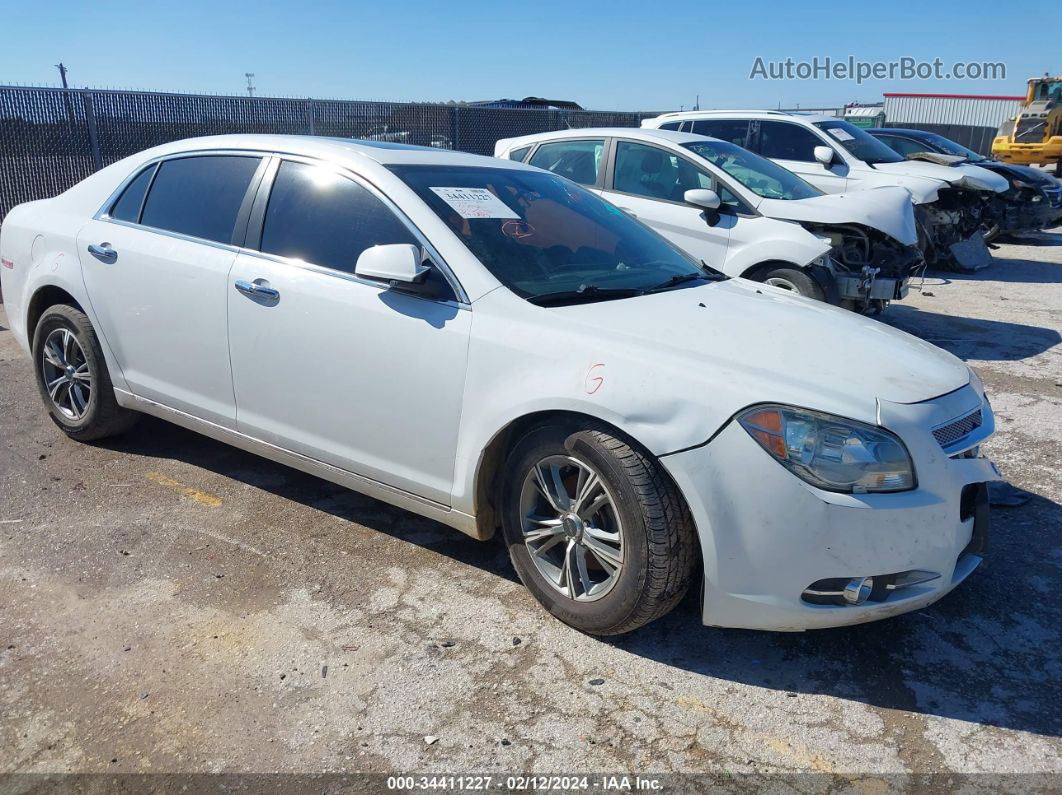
(824, 155)
(396, 263)
(699, 197)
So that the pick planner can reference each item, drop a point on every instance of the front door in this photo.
(792, 146)
(649, 182)
(342, 370)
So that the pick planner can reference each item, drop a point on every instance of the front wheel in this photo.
(794, 280)
(597, 531)
(72, 376)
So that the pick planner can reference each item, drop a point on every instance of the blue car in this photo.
(1033, 201)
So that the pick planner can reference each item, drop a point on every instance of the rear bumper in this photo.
(767, 537)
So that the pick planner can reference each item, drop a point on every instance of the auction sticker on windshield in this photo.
(474, 203)
(840, 134)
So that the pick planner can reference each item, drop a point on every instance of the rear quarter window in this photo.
(127, 208)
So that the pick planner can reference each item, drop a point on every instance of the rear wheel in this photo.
(72, 376)
(596, 529)
(794, 280)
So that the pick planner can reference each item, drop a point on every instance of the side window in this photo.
(784, 141)
(326, 219)
(655, 173)
(903, 146)
(519, 154)
(579, 161)
(127, 208)
(734, 131)
(199, 196)
(671, 125)
(728, 199)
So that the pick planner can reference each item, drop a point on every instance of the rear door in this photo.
(156, 267)
(649, 182)
(792, 146)
(330, 365)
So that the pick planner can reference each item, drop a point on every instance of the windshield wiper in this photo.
(709, 275)
(585, 293)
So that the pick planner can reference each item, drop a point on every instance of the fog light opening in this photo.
(858, 590)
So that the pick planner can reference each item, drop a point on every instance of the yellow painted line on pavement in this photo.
(199, 496)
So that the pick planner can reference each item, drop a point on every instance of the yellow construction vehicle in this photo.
(1035, 134)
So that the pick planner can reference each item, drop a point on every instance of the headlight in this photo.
(831, 453)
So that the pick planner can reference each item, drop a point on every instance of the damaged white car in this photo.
(741, 213)
(493, 346)
(838, 157)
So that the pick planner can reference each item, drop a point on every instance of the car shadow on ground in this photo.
(973, 338)
(154, 438)
(989, 653)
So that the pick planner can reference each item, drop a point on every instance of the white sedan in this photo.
(740, 212)
(490, 345)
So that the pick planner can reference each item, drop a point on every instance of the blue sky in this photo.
(608, 55)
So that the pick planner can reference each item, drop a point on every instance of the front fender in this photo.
(790, 243)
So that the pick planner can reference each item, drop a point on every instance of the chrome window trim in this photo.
(102, 214)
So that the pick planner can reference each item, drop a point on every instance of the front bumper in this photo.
(872, 288)
(767, 537)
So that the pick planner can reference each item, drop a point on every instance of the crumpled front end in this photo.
(1025, 208)
(951, 229)
(868, 267)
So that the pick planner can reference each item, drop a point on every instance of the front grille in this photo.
(1030, 130)
(947, 435)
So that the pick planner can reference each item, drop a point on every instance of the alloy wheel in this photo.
(785, 284)
(66, 372)
(571, 527)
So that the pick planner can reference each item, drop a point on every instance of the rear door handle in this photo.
(257, 290)
(103, 252)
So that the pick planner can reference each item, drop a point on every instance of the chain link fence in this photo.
(51, 138)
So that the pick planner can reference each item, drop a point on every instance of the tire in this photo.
(82, 404)
(642, 529)
(793, 279)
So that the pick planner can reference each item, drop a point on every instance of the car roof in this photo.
(707, 114)
(901, 131)
(383, 152)
(638, 133)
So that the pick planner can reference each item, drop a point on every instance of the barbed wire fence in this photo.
(51, 138)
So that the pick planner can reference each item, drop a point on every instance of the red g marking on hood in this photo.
(594, 379)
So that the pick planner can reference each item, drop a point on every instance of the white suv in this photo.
(838, 157)
(740, 212)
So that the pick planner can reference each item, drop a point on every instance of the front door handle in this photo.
(103, 252)
(257, 290)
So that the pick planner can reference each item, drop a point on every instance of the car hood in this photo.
(963, 175)
(886, 209)
(766, 344)
(1013, 171)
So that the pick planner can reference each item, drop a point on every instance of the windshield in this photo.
(859, 143)
(756, 173)
(949, 147)
(540, 234)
